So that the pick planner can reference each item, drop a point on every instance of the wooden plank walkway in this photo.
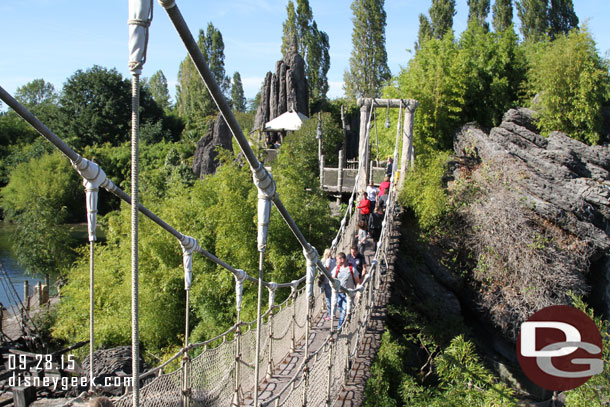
(352, 393)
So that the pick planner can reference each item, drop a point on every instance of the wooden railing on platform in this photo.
(341, 179)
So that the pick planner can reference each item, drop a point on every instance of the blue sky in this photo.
(51, 39)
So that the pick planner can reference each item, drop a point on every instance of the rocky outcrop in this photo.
(535, 214)
(218, 134)
(284, 89)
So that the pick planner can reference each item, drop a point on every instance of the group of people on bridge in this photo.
(350, 269)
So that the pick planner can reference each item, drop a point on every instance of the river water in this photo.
(16, 273)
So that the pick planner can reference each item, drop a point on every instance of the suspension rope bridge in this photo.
(227, 368)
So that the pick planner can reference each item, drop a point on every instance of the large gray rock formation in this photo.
(219, 134)
(282, 90)
(534, 213)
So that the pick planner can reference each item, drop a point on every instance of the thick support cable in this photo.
(135, 325)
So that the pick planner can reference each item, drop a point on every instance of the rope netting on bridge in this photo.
(226, 370)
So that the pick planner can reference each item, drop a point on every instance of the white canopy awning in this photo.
(291, 120)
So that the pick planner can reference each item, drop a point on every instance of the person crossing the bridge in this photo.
(356, 259)
(348, 277)
(371, 192)
(365, 207)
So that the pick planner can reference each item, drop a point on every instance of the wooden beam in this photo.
(384, 102)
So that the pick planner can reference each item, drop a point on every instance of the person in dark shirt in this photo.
(375, 222)
(389, 166)
(356, 259)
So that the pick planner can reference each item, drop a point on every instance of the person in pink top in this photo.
(384, 186)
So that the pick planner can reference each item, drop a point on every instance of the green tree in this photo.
(193, 101)
(425, 31)
(159, 91)
(40, 98)
(215, 56)
(562, 17)
(572, 82)
(533, 16)
(317, 64)
(502, 15)
(290, 34)
(95, 107)
(301, 33)
(237, 94)
(433, 78)
(40, 196)
(441, 15)
(478, 10)
(493, 69)
(368, 62)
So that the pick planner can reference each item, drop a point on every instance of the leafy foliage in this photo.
(452, 375)
(502, 15)
(593, 393)
(301, 34)
(562, 17)
(533, 16)
(424, 190)
(193, 101)
(237, 94)
(441, 15)
(158, 90)
(95, 107)
(368, 63)
(425, 31)
(478, 11)
(40, 195)
(572, 84)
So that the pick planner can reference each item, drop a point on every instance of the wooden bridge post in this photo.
(363, 149)
(408, 155)
(340, 175)
(322, 163)
(26, 294)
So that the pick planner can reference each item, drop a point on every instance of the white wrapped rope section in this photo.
(240, 277)
(140, 16)
(188, 247)
(266, 192)
(311, 260)
(272, 287)
(94, 177)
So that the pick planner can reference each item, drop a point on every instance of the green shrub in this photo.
(572, 84)
(424, 189)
